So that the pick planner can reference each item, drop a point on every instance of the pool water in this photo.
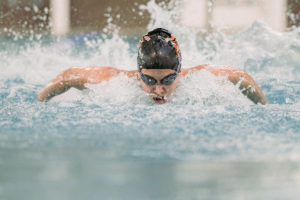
(112, 142)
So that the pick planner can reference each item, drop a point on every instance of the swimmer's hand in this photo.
(76, 77)
(63, 82)
(253, 91)
(246, 84)
(249, 87)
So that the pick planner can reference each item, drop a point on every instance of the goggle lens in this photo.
(169, 79)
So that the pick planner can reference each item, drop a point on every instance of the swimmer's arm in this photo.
(77, 77)
(247, 85)
(61, 83)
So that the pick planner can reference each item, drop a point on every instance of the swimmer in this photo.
(158, 71)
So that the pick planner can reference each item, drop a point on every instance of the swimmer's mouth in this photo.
(159, 99)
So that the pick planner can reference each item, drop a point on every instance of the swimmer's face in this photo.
(159, 92)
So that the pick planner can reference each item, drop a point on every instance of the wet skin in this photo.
(77, 77)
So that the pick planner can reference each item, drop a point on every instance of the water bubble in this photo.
(109, 9)
(46, 10)
(35, 8)
(27, 9)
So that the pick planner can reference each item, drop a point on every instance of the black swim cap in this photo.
(158, 49)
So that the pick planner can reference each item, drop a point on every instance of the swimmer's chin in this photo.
(159, 100)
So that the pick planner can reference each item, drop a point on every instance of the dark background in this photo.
(21, 16)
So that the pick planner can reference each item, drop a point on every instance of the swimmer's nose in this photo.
(159, 89)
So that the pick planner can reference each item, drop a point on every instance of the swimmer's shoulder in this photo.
(194, 69)
(215, 69)
(93, 74)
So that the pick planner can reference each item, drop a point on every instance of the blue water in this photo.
(113, 142)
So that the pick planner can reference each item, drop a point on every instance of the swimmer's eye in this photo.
(148, 79)
(151, 81)
(169, 79)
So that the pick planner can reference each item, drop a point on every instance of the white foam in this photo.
(198, 88)
(204, 88)
(258, 49)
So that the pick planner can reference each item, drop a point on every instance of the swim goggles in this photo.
(167, 80)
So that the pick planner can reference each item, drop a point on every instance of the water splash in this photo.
(206, 118)
(207, 133)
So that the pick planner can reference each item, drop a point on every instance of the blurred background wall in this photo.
(24, 16)
(65, 16)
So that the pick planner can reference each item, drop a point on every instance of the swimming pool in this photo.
(112, 142)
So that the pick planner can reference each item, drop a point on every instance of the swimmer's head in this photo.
(159, 63)
(158, 49)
